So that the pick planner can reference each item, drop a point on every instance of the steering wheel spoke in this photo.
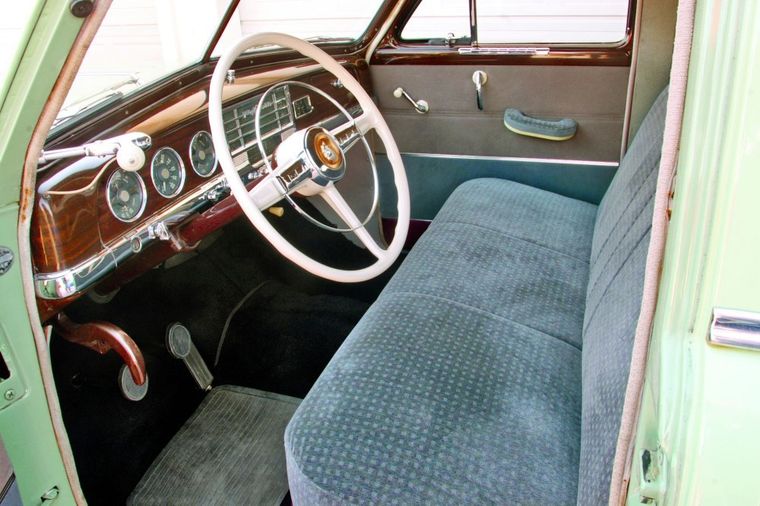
(351, 132)
(335, 200)
(284, 180)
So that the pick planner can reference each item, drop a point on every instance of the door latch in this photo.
(653, 476)
(479, 78)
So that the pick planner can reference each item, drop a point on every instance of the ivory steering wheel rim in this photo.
(254, 201)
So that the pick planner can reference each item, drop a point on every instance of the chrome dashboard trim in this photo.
(65, 283)
(735, 329)
(68, 282)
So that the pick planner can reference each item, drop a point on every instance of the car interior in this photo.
(391, 269)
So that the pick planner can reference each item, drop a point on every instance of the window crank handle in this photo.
(479, 78)
(420, 106)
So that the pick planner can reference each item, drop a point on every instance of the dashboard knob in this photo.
(130, 157)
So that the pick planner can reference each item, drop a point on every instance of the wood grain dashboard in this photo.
(77, 240)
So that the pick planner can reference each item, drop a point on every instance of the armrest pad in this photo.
(549, 129)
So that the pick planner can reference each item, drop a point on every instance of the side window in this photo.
(520, 21)
(436, 19)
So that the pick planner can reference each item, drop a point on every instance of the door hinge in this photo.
(653, 476)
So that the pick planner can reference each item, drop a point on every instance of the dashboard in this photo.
(84, 233)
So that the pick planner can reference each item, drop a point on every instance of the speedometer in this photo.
(126, 195)
(167, 172)
(202, 154)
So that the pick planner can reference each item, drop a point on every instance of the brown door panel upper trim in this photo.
(392, 50)
(417, 54)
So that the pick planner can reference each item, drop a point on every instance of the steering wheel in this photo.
(310, 161)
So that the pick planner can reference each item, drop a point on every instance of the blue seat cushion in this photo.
(431, 402)
(462, 383)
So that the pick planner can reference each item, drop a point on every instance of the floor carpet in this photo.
(279, 340)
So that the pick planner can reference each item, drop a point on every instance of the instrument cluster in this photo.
(127, 192)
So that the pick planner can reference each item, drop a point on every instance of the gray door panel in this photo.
(593, 96)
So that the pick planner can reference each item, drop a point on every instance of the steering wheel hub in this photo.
(328, 151)
(325, 154)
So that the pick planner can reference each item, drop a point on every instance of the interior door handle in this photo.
(479, 78)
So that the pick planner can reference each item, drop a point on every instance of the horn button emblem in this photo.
(328, 152)
(324, 156)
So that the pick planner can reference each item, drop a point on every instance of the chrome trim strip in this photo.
(515, 159)
(530, 51)
(735, 328)
(65, 283)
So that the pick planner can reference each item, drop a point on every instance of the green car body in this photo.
(700, 412)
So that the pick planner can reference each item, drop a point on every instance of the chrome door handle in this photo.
(479, 78)
(420, 106)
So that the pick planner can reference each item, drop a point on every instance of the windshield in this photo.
(142, 40)
(323, 21)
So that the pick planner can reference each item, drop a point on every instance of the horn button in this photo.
(325, 154)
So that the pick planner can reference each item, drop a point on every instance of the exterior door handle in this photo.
(479, 78)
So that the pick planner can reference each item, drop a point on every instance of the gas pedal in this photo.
(180, 345)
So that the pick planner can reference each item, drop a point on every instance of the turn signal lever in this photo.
(128, 148)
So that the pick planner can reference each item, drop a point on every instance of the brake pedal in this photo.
(180, 345)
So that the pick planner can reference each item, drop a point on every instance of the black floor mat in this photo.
(281, 339)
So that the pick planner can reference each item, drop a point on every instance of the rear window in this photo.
(520, 21)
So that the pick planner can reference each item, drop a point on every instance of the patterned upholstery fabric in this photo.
(463, 379)
(616, 281)
(493, 366)
(526, 261)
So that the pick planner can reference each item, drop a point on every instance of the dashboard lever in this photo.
(479, 78)
(128, 148)
(420, 106)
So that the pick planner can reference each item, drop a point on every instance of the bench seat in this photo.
(492, 368)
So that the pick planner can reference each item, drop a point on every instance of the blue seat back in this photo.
(613, 299)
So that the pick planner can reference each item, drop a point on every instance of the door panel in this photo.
(593, 96)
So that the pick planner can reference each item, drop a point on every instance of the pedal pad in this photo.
(129, 389)
(180, 345)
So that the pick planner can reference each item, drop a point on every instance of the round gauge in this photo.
(202, 154)
(126, 195)
(167, 172)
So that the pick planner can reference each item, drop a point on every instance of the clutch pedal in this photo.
(180, 345)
